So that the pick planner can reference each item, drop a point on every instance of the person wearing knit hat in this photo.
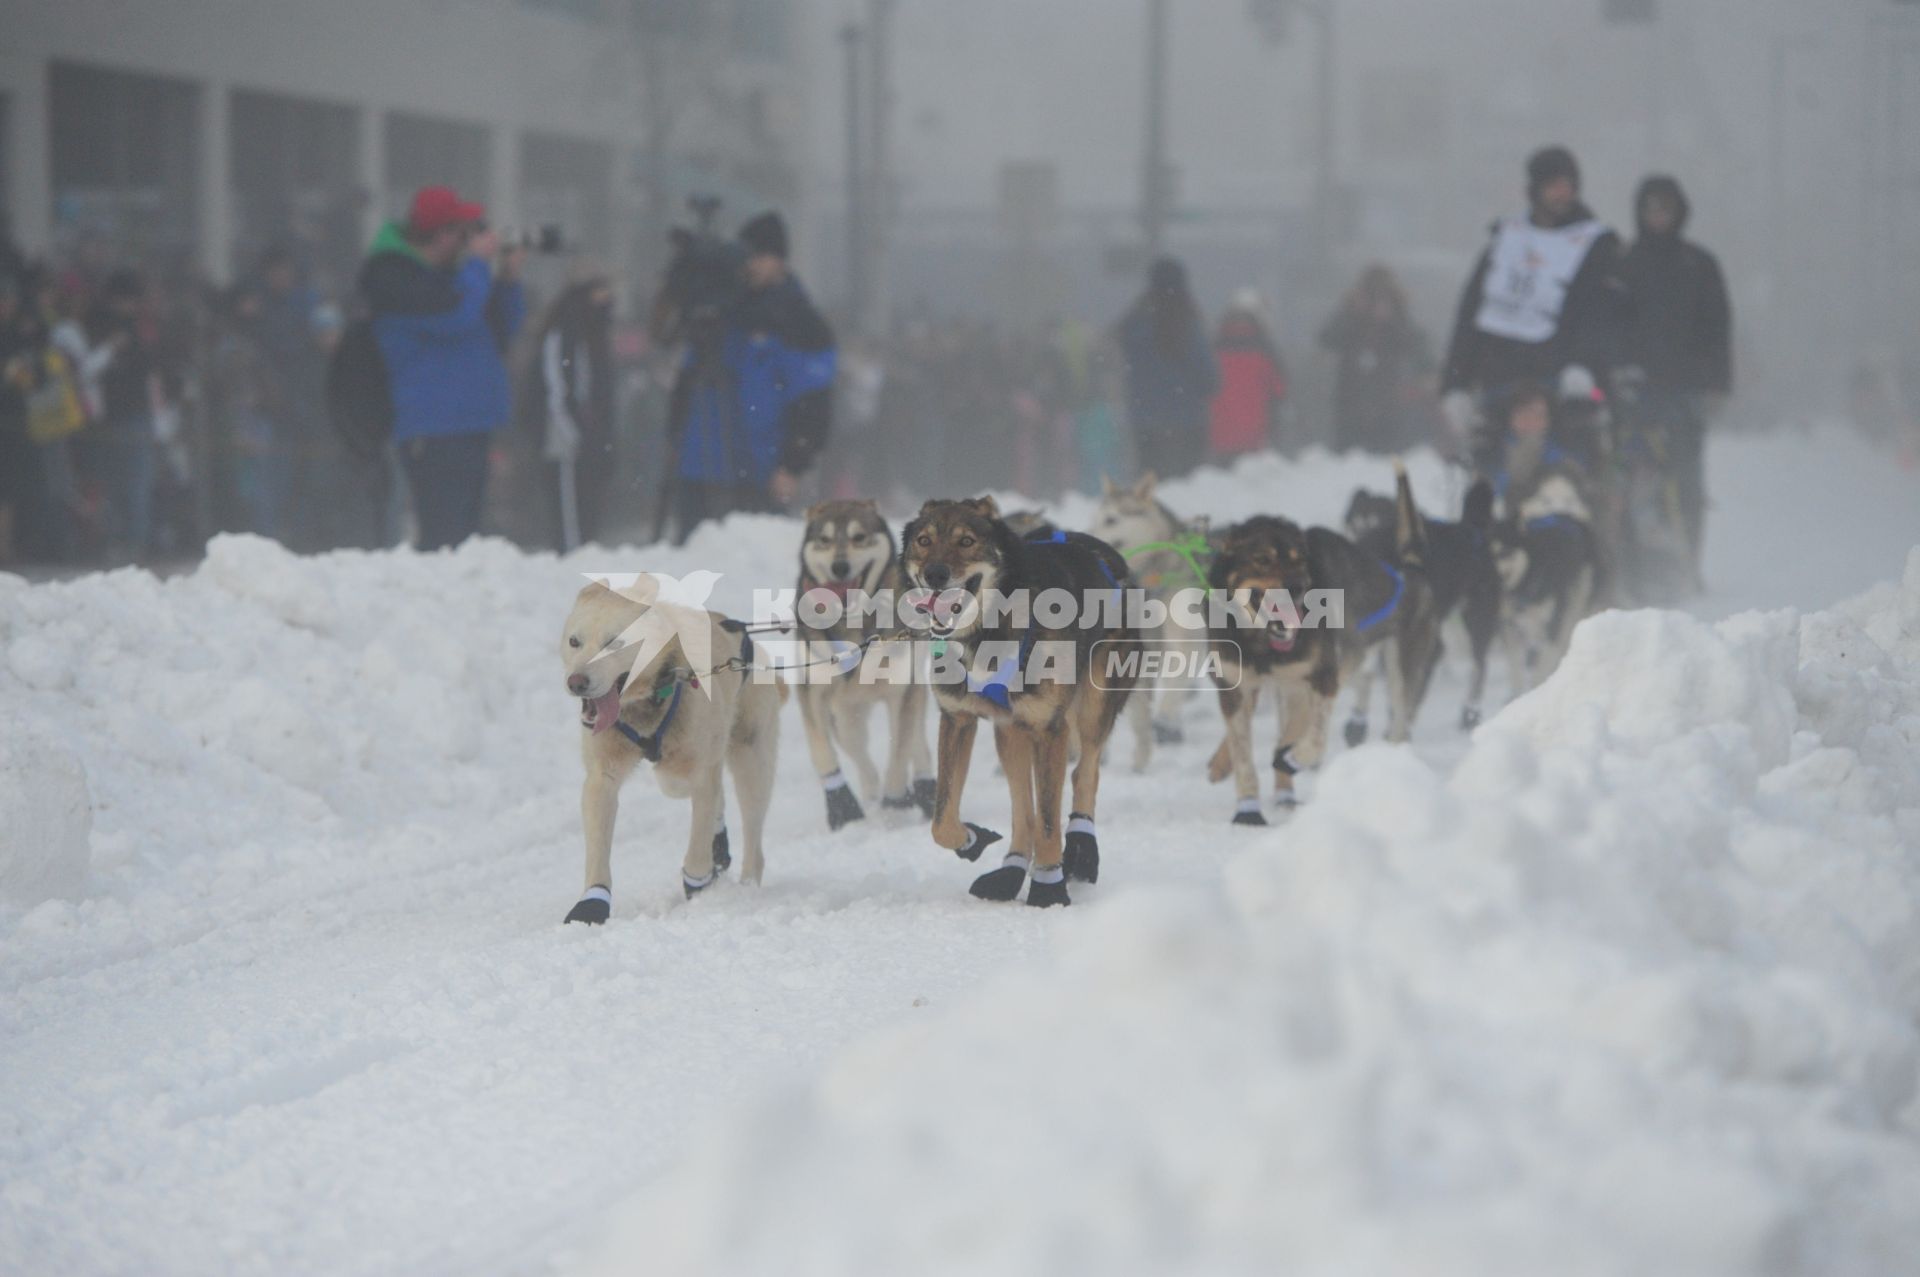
(743, 439)
(1546, 294)
(1547, 169)
(765, 235)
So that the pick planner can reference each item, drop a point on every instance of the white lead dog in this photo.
(688, 720)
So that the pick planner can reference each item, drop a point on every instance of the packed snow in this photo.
(1627, 984)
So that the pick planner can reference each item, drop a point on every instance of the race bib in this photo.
(1528, 275)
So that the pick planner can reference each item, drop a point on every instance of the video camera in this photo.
(703, 278)
(545, 237)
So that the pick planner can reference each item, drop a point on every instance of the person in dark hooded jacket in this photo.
(1680, 335)
(743, 446)
(1171, 372)
(1546, 294)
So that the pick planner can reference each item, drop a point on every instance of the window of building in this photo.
(125, 159)
(293, 166)
(423, 150)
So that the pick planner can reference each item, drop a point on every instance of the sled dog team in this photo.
(1401, 578)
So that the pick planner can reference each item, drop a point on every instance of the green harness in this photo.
(1191, 548)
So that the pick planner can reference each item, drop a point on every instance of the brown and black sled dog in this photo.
(1045, 688)
(1387, 605)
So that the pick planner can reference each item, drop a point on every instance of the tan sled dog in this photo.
(1167, 554)
(687, 722)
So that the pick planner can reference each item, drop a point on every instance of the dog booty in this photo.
(722, 853)
(1049, 888)
(694, 886)
(1004, 883)
(593, 908)
(924, 790)
(1249, 813)
(1356, 730)
(843, 807)
(978, 838)
(1469, 718)
(1168, 733)
(1081, 856)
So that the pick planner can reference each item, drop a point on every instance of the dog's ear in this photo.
(985, 505)
(870, 505)
(594, 588)
(1143, 486)
(814, 511)
(926, 509)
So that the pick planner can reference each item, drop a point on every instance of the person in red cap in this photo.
(445, 302)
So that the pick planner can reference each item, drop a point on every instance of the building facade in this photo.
(200, 131)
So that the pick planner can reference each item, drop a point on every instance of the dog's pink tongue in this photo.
(606, 711)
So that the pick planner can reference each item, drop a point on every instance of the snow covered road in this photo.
(309, 1008)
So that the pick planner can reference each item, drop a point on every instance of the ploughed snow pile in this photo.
(1633, 991)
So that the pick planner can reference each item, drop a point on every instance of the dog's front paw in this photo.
(694, 886)
(1285, 799)
(722, 853)
(843, 807)
(979, 837)
(1356, 730)
(593, 908)
(923, 792)
(1081, 856)
(1001, 884)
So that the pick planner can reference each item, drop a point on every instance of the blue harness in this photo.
(649, 744)
(1393, 600)
(994, 687)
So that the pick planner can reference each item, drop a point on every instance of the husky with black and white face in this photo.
(847, 552)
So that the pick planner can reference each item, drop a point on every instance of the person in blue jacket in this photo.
(744, 443)
(443, 317)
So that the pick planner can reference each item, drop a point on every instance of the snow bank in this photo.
(1634, 990)
(45, 816)
(1633, 985)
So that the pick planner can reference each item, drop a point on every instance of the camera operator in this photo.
(445, 300)
(745, 439)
